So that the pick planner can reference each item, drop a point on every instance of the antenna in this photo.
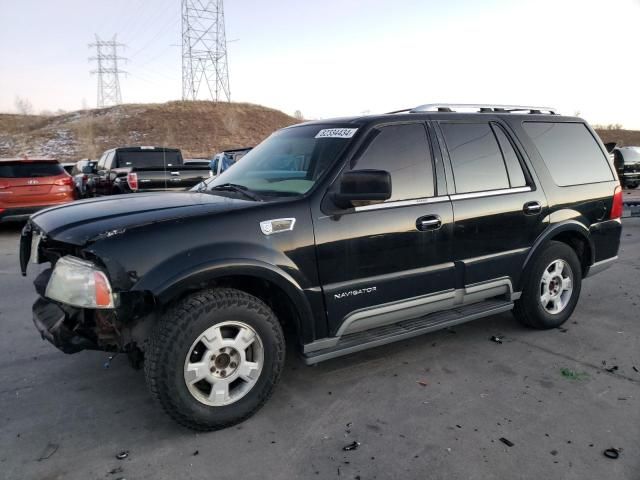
(204, 51)
(108, 71)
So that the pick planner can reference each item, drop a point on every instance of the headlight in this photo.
(79, 283)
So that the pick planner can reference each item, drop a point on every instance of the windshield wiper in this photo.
(238, 188)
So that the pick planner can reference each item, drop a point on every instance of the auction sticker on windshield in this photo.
(336, 133)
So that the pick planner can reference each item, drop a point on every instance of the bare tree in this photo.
(298, 115)
(23, 106)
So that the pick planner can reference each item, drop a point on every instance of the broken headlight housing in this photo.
(79, 283)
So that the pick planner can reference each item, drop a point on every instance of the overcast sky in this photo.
(341, 57)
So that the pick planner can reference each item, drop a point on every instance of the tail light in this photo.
(616, 208)
(132, 180)
(64, 181)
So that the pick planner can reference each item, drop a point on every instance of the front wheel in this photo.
(215, 358)
(551, 287)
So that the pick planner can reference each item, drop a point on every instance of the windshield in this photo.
(631, 154)
(289, 162)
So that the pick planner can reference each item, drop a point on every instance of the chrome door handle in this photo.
(532, 208)
(429, 222)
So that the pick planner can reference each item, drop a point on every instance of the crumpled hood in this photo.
(87, 220)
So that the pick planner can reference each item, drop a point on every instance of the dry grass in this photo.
(200, 129)
(621, 137)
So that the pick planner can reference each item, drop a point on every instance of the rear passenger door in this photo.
(497, 206)
(386, 262)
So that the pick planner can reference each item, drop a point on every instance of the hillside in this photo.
(200, 129)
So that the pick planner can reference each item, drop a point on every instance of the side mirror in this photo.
(610, 146)
(363, 186)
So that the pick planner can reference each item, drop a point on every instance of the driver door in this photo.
(387, 262)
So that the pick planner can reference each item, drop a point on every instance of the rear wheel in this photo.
(215, 358)
(551, 288)
(631, 184)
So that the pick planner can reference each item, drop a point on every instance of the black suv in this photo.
(627, 163)
(352, 233)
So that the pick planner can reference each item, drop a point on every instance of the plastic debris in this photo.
(49, 451)
(573, 375)
(115, 470)
(107, 364)
(422, 382)
(497, 338)
(612, 369)
(197, 452)
(122, 455)
(635, 369)
(352, 446)
(506, 441)
(612, 453)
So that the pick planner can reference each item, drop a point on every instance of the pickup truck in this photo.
(138, 169)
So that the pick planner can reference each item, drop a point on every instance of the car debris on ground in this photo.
(506, 441)
(352, 446)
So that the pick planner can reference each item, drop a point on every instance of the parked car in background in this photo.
(31, 184)
(223, 160)
(354, 232)
(627, 163)
(68, 166)
(143, 169)
(84, 178)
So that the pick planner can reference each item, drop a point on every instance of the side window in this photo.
(511, 160)
(403, 151)
(475, 157)
(570, 152)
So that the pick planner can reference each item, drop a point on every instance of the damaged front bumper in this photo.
(53, 323)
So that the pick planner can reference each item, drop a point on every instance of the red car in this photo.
(31, 184)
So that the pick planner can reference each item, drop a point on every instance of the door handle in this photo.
(429, 222)
(532, 208)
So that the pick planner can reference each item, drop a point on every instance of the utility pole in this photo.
(108, 71)
(204, 51)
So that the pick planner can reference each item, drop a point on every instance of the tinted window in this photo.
(570, 152)
(29, 169)
(514, 168)
(149, 159)
(403, 151)
(475, 157)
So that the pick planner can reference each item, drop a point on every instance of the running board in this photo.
(356, 342)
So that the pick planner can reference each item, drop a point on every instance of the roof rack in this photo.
(478, 107)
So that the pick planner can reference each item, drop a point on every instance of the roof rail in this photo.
(479, 107)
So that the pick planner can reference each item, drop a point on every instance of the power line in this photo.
(108, 71)
(204, 50)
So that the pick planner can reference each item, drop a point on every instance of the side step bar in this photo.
(356, 342)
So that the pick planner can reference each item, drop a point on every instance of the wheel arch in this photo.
(572, 233)
(267, 282)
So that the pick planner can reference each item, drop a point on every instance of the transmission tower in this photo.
(108, 71)
(204, 51)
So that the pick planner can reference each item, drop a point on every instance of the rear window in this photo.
(30, 169)
(149, 159)
(570, 152)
